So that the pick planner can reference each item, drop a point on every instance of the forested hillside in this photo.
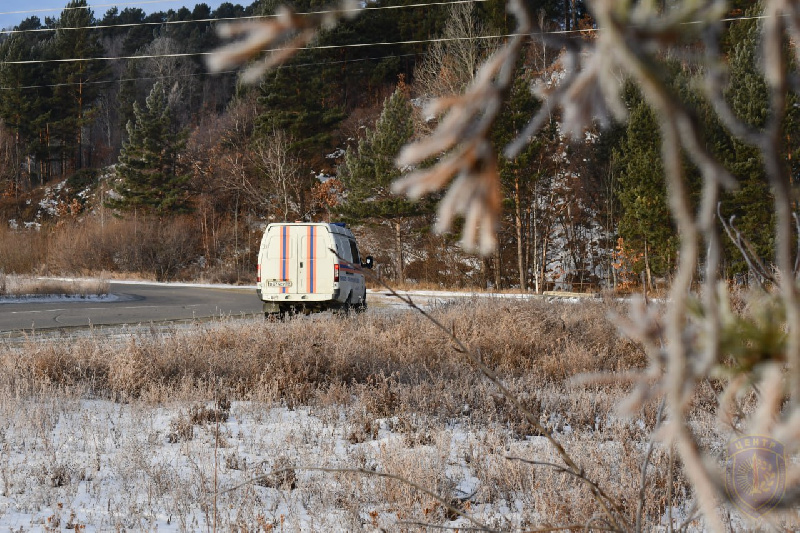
(120, 152)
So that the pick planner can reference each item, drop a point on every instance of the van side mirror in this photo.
(368, 262)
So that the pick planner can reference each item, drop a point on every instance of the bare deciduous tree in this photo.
(451, 63)
(164, 62)
(279, 169)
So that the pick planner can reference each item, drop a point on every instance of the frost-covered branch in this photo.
(287, 32)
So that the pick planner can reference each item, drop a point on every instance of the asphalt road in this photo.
(134, 304)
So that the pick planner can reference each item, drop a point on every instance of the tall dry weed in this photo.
(529, 343)
(23, 251)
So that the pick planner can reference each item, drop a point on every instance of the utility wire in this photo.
(334, 47)
(197, 74)
(260, 17)
(201, 74)
(201, 54)
(76, 8)
(207, 20)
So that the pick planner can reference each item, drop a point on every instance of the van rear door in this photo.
(298, 260)
(314, 265)
(279, 272)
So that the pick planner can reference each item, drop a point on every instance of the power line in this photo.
(199, 74)
(201, 54)
(340, 46)
(259, 17)
(77, 8)
(109, 82)
(207, 20)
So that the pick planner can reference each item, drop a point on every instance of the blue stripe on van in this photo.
(284, 250)
(311, 246)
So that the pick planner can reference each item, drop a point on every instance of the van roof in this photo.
(334, 227)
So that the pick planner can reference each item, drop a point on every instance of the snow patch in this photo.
(336, 154)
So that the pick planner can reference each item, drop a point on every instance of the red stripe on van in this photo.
(349, 269)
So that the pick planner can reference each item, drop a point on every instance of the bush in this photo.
(159, 248)
(23, 251)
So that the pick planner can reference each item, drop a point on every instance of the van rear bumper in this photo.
(299, 298)
(299, 303)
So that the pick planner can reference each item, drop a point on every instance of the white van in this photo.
(309, 267)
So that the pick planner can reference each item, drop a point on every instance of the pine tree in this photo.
(368, 172)
(149, 165)
(76, 88)
(304, 106)
(645, 223)
(752, 203)
(26, 111)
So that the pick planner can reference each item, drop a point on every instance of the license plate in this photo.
(276, 283)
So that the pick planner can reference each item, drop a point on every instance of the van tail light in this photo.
(258, 274)
(336, 273)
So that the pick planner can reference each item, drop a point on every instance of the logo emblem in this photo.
(755, 474)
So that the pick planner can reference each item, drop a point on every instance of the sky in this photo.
(12, 12)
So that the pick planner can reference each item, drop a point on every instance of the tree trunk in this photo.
(398, 243)
(79, 154)
(567, 17)
(236, 235)
(648, 279)
(204, 225)
(536, 263)
(542, 263)
(528, 242)
(497, 267)
(518, 227)
(574, 14)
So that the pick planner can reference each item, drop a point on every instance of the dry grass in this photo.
(368, 378)
(530, 344)
(22, 251)
(137, 247)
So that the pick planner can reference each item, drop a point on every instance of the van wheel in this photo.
(285, 312)
(344, 309)
(361, 307)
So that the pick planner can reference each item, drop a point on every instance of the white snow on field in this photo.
(93, 465)
(426, 299)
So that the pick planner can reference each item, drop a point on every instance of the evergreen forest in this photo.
(121, 153)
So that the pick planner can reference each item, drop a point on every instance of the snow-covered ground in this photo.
(425, 298)
(94, 465)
